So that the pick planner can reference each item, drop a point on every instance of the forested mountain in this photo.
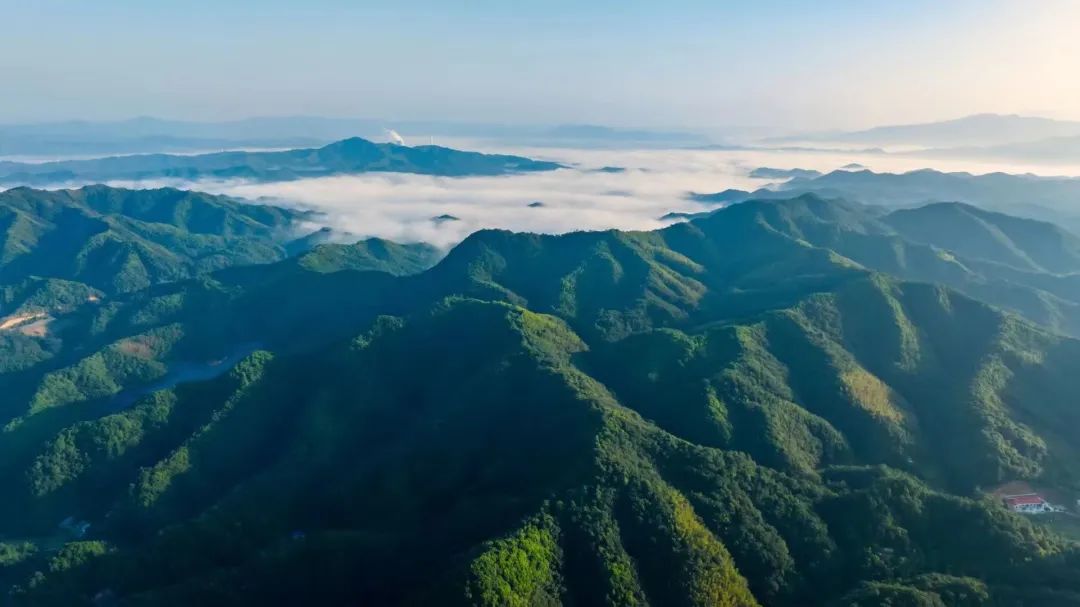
(753, 407)
(1022, 265)
(116, 240)
(1023, 244)
(998, 190)
(353, 155)
(1052, 199)
(61, 249)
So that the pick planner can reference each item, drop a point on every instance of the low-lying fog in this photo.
(401, 207)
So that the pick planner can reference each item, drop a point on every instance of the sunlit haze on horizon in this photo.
(775, 64)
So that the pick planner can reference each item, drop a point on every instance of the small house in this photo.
(1031, 503)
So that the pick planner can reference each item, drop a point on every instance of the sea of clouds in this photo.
(402, 207)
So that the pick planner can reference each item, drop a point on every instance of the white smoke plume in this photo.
(394, 137)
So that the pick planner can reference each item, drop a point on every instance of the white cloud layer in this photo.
(401, 206)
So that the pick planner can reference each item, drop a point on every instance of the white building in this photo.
(1031, 503)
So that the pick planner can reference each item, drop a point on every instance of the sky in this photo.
(685, 64)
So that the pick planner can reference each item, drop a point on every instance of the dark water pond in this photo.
(182, 372)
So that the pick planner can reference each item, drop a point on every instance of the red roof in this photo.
(1024, 500)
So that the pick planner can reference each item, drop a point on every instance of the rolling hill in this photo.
(353, 155)
(116, 240)
(734, 410)
(1051, 199)
(1022, 265)
(1024, 244)
(60, 249)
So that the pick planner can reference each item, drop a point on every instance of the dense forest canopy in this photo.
(348, 156)
(785, 402)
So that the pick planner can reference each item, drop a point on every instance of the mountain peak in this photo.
(733, 411)
(351, 155)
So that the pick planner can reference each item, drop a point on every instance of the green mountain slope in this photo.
(1050, 199)
(1024, 244)
(119, 240)
(114, 241)
(508, 475)
(353, 155)
(1020, 265)
(725, 412)
(372, 254)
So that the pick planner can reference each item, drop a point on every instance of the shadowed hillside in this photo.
(730, 411)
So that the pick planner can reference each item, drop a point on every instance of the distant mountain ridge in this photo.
(60, 248)
(120, 240)
(596, 135)
(353, 155)
(1024, 244)
(1050, 150)
(246, 128)
(1026, 266)
(1052, 199)
(150, 135)
(974, 130)
(145, 134)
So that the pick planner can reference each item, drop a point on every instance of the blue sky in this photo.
(823, 64)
